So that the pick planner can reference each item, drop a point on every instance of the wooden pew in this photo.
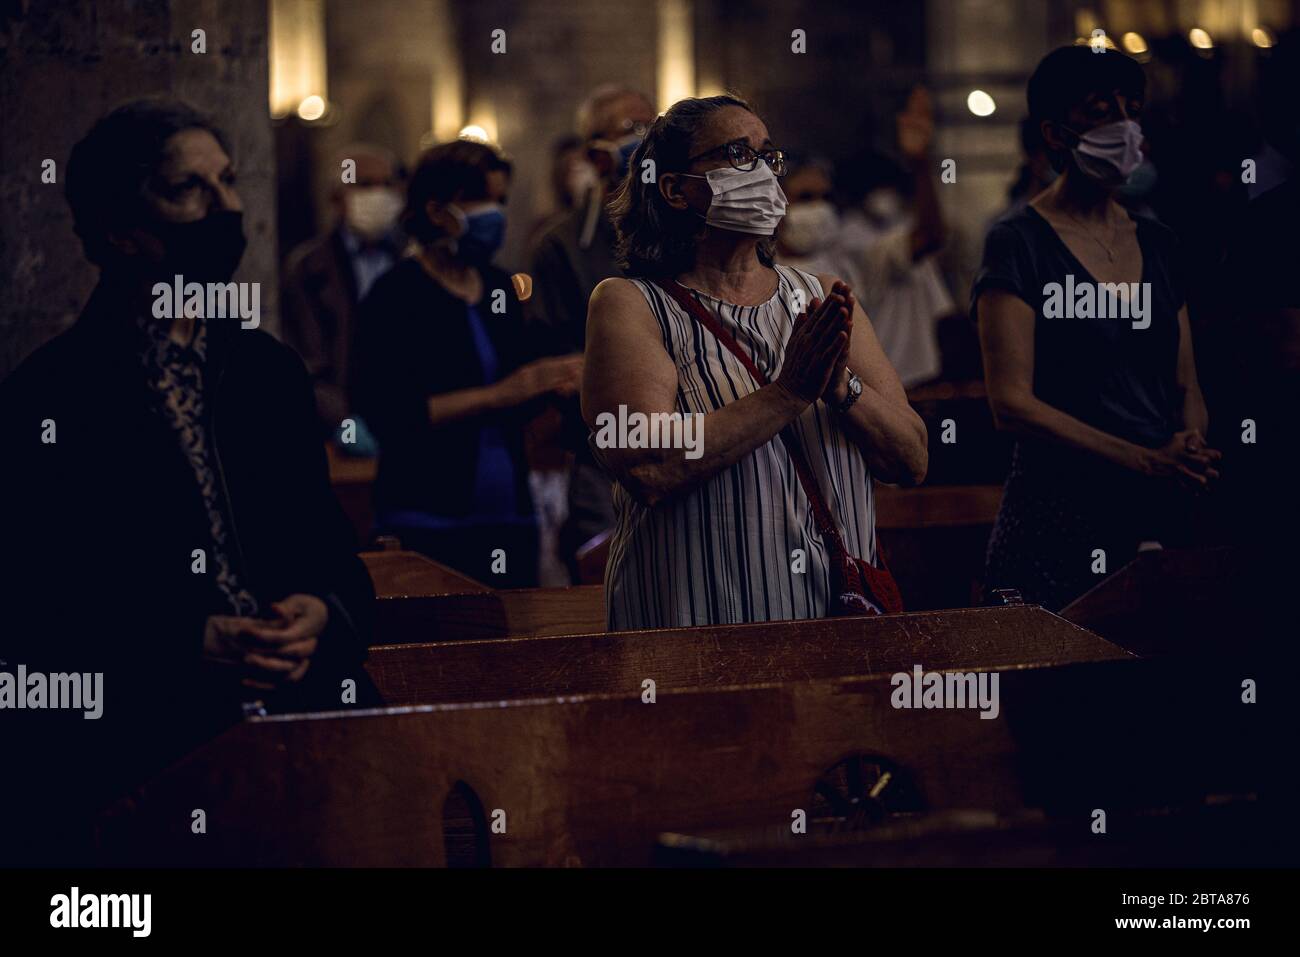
(934, 539)
(484, 614)
(593, 779)
(403, 574)
(981, 454)
(1228, 833)
(352, 479)
(1178, 600)
(419, 599)
(718, 656)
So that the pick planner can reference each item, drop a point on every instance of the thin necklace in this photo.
(1107, 249)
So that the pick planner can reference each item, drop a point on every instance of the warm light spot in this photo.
(676, 48)
(1134, 43)
(296, 54)
(1261, 38)
(1199, 38)
(473, 133)
(312, 108)
(523, 284)
(980, 103)
(446, 71)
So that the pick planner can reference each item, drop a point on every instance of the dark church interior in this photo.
(659, 436)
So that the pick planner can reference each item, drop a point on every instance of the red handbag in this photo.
(857, 586)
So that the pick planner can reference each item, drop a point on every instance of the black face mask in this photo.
(203, 250)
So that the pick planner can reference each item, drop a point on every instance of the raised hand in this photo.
(818, 346)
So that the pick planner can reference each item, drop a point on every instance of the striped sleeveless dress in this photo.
(725, 552)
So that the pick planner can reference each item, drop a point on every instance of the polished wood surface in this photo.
(352, 479)
(485, 613)
(403, 574)
(1228, 833)
(593, 780)
(936, 506)
(976, 638)
(1175, 600)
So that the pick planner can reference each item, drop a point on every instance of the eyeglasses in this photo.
(742, 157)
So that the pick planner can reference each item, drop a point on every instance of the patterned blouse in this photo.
(175, 376)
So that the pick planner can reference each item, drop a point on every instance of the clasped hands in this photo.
(817, 352)
(269, 652)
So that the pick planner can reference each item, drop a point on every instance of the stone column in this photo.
(990, 45)
(62, 66)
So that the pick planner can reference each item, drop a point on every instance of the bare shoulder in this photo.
(617, 300)
(616, 291)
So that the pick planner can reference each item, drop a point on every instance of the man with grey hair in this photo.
(568, 261)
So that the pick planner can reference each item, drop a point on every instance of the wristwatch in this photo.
(854, 393)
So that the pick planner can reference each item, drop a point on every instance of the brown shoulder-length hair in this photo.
(655, 240)
(459, 167)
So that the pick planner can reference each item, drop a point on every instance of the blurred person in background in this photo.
(884, 245)
(571, 177)
(325, 278)
(1108, 413)
(568, 261)
(444, 373)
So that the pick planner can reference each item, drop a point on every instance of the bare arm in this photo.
(447, 407)
(915, 134)
(626, 364)
(881, 423)
(558, 375)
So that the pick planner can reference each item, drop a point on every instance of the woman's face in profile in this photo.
(731, 124)
(195, 177)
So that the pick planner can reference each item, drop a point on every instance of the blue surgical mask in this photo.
(626, 147)
(1140, 182)
(485, 230)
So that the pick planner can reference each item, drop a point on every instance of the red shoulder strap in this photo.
(821, 512)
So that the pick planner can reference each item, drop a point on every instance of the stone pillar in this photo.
(62, 66)
(990, 45)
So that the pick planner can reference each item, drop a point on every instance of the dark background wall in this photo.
(63, 64)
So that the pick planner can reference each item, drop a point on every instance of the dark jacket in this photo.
(414, 341)
(318, 305)
(568, 261)
(99, 527)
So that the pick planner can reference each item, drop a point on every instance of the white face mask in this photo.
(744, 202)
(371, 211)
(581, 179)
(1110, 153)
(883, 206)
(810, 227)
